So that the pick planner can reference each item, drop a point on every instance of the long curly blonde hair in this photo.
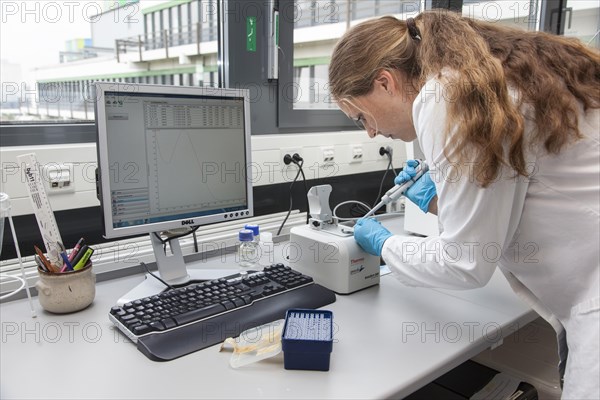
(555, 75)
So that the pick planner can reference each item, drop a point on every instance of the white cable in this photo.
(6, 277)
(6, 208)
(348, 202)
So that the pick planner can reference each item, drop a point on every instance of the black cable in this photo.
(393, 170)
(382, 181)
(291, 198)
(195, 241)
(355, 211)
(362, 210)
(168, 239)
(388, 151)
(358, 210)
(299, 161)
(305, 194)
(162, 241)
(143, 264)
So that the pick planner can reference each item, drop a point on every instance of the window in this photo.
(65, 46)
(582, 20)
(171, 30)
(185, 21)
(575, 18)
(317, 27)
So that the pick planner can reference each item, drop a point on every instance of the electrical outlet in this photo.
(290, 151)
(388, 149)
(289, 170)
(356, 154)
(58, 178)
(327, 156)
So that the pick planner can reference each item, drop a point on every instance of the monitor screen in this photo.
(171, 156)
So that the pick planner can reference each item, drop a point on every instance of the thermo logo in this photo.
(187, 222)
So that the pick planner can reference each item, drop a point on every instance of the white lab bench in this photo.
(389, 340)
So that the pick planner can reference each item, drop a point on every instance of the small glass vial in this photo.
(248, 252)
(255, 230)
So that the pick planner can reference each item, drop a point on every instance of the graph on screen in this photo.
(182, 147)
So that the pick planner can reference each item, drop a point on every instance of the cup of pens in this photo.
(66, 286)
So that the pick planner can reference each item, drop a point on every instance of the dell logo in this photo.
(187, 222)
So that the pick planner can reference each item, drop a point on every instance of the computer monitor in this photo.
(171, 157)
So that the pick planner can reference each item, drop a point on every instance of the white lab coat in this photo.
(543, 232)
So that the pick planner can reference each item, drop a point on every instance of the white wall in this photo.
(267, 164)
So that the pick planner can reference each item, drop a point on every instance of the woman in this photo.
(508, 121)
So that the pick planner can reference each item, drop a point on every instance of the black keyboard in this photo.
(190, 318)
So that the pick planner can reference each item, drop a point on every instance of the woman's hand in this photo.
(422, 192)
(370, 235)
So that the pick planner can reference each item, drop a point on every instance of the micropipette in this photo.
(394, 193)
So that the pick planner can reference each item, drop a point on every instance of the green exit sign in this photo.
(251, 33)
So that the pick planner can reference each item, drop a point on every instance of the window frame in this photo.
(27, 134)
(279, 117)
(548, 9)
(298, 120)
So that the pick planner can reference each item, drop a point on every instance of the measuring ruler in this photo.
(41, 207)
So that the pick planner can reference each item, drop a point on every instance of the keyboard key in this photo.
(228, 305)
(169, 323)
(238, 302)
(132, 322)
(277, 289)
(157, 326)
(255, 295)
(199, 314)
(247, 299)
(141, 329)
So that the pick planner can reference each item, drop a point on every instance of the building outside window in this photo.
(319, 23)
(65, 46)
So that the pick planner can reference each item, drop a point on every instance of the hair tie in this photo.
(413, 30)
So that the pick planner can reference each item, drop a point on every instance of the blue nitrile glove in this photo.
(422, 191)
(370, 235)
(407, 172)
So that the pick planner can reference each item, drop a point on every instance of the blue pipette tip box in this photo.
(307, 339)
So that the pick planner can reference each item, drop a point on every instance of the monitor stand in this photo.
(171, 269)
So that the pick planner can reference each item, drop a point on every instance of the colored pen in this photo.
(47, 263)
(40, 264)
(79, 254)
(76, 249)
(62, 249)
(67, 265)
(84, 259)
